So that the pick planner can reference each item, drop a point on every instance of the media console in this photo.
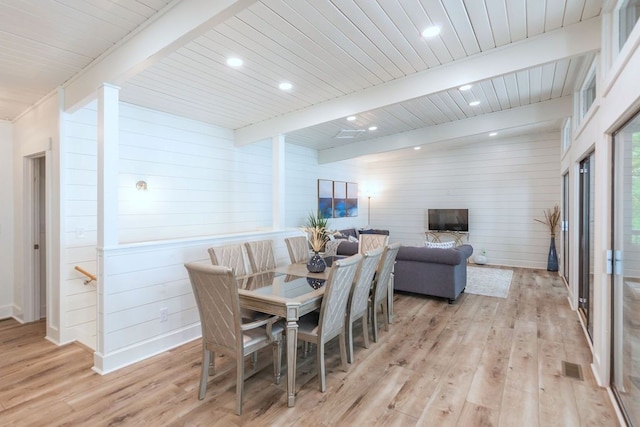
(458, 236)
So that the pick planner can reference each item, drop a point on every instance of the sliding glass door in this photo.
(625, 285)
(585, 257)
(565, 227)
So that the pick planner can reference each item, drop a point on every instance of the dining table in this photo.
(289, 292)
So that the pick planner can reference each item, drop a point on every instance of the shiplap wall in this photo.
(505, 184)
(6, 220)
(202, 191)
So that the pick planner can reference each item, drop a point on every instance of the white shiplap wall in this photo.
(202, 191)
(505, 184)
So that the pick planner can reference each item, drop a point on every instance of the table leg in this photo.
(292, 349)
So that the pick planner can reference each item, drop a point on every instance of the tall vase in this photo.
(316, 264)
(552, 260)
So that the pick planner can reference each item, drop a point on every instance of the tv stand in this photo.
(458, 236)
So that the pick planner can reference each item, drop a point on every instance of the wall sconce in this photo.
(141, 185)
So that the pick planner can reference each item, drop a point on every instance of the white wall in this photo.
(36, 133)
(200, 187)
(6, 220)
(505, 184)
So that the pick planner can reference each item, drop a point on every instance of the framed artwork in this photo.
(339, 199)
(325, 198)
(352, 199)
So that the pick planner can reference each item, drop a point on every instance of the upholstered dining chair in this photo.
(380, 293)
(367, 242)
(216, 293)
(298, 248)
(320, 328)
(229, 256)
(261, 255)
(358, 305)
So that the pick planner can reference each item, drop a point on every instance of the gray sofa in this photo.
(432, 271)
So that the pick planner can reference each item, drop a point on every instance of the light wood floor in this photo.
(481, 361)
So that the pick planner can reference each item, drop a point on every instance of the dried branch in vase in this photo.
(551, 219)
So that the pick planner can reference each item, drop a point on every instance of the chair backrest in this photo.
(231, 256)
(362, 283)
(336, 295)
(261, 255)
(298, 248)
(216, 294)
(367, 242)
(385, 267)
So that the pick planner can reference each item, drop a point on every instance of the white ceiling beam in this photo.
(483, 124)
(176, 26)
(566, 42)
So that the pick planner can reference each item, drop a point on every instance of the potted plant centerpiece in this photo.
(552, 221)
(316, 229)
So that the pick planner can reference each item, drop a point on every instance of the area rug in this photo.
(493, 282)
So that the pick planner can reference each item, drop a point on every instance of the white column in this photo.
(108, 145)
(277, 147)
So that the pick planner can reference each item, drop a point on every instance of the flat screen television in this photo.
(448, 219)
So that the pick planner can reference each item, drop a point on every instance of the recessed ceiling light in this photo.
(416, 148)
(373, 127)
(234, 62)
(431, 31)
(474, 103)
(285, 86)
(351, 118)
(493, 133)
(465, 87)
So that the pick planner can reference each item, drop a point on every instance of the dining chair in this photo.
(358, 305)
(229, 256)
(298, 248)
(366, 242)
(261, 255)
(320, 328)
(216, 293)
(380, 293)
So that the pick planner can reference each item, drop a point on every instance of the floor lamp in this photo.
(369, 211)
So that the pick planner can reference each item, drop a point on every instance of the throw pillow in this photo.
(440, 245)
(353, 239)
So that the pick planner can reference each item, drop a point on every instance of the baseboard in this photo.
(106, 363)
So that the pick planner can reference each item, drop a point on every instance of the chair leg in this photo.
(212, 363)
(374, 322)
(343, 351)
(365, 330)
(206, 357)
(321, 370)
(239, 384)
(385, 314)
(277, 359)
(254, 361)
(349, 335)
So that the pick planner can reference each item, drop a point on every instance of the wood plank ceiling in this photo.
(326, 49)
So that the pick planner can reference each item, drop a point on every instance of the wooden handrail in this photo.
(92, 278)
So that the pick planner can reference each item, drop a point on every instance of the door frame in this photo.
(31, 289)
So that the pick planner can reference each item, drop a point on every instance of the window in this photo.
(566, 135)
(588, 91)
(627, 16)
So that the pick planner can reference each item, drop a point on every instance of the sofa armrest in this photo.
(347, 248)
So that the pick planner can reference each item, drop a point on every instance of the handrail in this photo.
(92, 278)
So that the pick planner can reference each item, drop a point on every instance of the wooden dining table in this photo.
(286, 292)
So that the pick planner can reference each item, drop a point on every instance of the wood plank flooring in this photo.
(482, 361)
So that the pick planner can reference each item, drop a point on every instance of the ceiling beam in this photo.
(574, 40)
(173, 28)
(483, 124)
